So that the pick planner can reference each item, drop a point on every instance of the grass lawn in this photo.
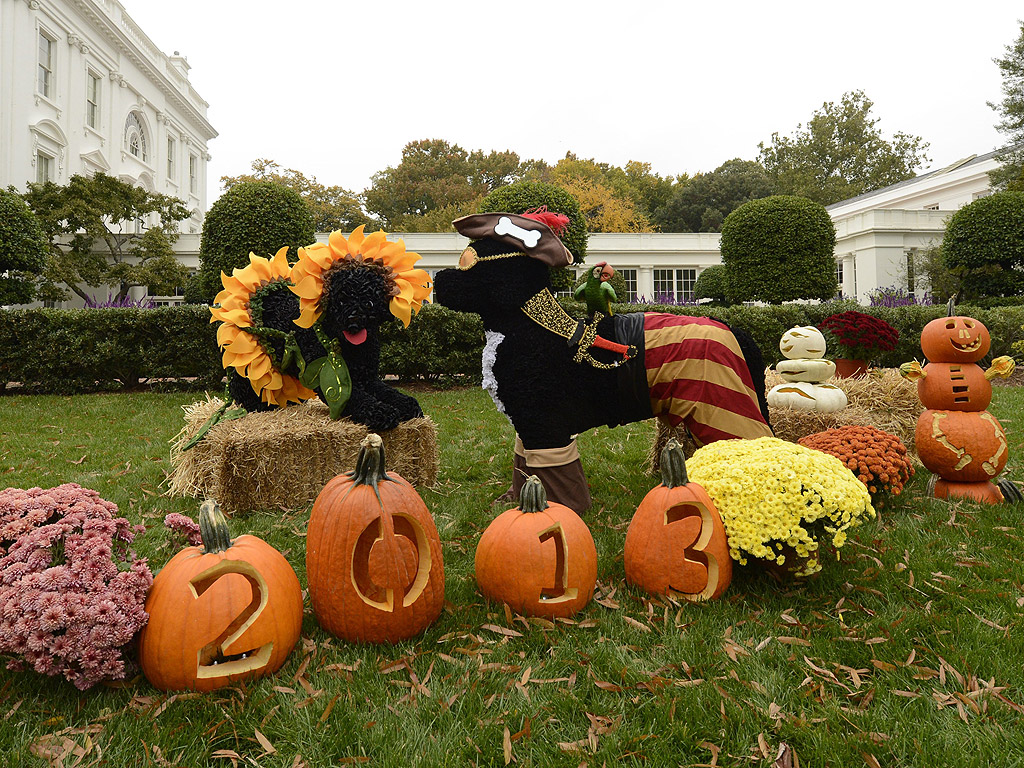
(908, 651)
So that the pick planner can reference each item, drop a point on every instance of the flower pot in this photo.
(846, 369)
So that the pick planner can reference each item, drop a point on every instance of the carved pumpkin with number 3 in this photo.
(676, 542)
(539, 558)
(224, 612)
(373, 556)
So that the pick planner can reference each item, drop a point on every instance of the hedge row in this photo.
(86, 350)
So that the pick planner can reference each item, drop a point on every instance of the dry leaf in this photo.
(506, 745)
(265, 743)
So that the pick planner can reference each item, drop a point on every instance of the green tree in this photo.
(23, 249)
(779, 248)
(841, 153)
(713, 283)
(252, 216)
(701, 203)
(332, 207)
(1011, 118)
(92, 225)
(984, 246)
(434, 174)
(604, 193)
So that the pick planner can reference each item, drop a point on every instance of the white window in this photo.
(92, 100)
(193, 174)
(934, 207)
(44, 167)
(629, 277)
(671, 285)
(135, 136)
(685, 279)
(171, 162)
(839, 278)
(44, 76)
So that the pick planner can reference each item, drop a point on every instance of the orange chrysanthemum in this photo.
(410, 286)
(242, 350)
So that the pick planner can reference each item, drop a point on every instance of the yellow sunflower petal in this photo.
(247, 276)
(260, 366)
(404, 261)
(242, 342)
(370, 249)
(320, 254)
(355, 240)
(237, 317)
(306, 317)
(279, 266)
(401, 309)
(308, 287)
(260, 267)
(227, 334)
(232, 284)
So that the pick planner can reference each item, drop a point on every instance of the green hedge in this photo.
(85, 350)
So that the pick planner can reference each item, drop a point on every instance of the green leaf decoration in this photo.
(221, 414)
(335, 384)
(310, 374)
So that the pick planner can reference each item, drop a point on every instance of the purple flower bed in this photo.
(112, 302)
(66, 605)
(897, 297)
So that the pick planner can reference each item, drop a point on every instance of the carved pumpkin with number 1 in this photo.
(224, 612)
(676, 542)
(539, 558)
(373, 556)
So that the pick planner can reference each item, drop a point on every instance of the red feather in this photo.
(556, 222)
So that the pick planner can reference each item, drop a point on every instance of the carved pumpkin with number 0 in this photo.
(373, 556)
(676, 542)
(539, 558)
(221, 613)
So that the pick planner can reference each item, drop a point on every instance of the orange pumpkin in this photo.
(676, 541)
(955, 339)
(373, 556)
(224, 612)
(539, 558)
(965, 446)
(984, 493)
(954, 387)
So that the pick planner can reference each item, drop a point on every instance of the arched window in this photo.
(135, 136)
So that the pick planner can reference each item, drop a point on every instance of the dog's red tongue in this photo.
(355, 337)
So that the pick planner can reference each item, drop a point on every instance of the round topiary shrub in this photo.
(779, 248)
(713, 283)
(253, 216)
(984, 246)
(23, 248)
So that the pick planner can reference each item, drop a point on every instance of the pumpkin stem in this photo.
(213, 527)
(673, 465)
(370, 462)
(533, 498)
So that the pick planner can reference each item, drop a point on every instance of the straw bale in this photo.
(281, 459)
(881, 399)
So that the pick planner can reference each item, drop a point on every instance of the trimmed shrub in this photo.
(23, 249)
(779, 248)
(984, 246)
(256, 216)
(713, 283)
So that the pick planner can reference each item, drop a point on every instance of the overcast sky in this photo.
(335, 89)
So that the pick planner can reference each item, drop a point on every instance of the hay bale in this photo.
(882, 399)
(281, 459)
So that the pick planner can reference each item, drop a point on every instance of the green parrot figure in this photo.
(597, 291)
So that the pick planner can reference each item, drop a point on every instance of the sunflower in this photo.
(409, 287)
(238, 309)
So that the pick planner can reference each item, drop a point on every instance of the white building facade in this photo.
(84, 90)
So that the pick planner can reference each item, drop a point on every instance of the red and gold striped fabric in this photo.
(698, 376)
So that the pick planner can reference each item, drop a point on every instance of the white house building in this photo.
(83, 89)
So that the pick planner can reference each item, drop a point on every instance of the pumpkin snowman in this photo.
(806, 373)
(957, 438)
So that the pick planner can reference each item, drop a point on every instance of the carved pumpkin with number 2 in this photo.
(373, 556)
(224, 612)
(676, 542)
(539, 558)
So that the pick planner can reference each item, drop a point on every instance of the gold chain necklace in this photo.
(545, 310)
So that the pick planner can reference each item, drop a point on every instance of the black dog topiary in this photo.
(555, 376)
(290, 333)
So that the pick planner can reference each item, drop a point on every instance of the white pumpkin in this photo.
(803, 341)
(806, 369)
(805, 396)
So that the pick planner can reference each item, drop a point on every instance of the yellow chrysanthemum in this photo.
(411, 286)
(242, 350)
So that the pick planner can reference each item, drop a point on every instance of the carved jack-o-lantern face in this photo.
(954, 387)
(373, 556)
(955, 340)
(803, 342)
(806, 370)
(966, 446)
(540, 558)
(806, 396)
(219, 614)
(676, 541)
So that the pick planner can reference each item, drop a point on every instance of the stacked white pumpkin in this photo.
(806, 373)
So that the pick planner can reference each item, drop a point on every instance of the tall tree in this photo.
(609, 199)
(434, 174)
(103, 211)
(1011, 118)
(23, 248)
(332, 207)
(701, 203)
(841, 153)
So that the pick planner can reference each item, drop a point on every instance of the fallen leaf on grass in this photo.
(79, 461)
(265, 743)
(506, 745)
(785, 756)
(714, 749)
(502, 630)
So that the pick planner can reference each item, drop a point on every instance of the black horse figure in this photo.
(556, 376)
